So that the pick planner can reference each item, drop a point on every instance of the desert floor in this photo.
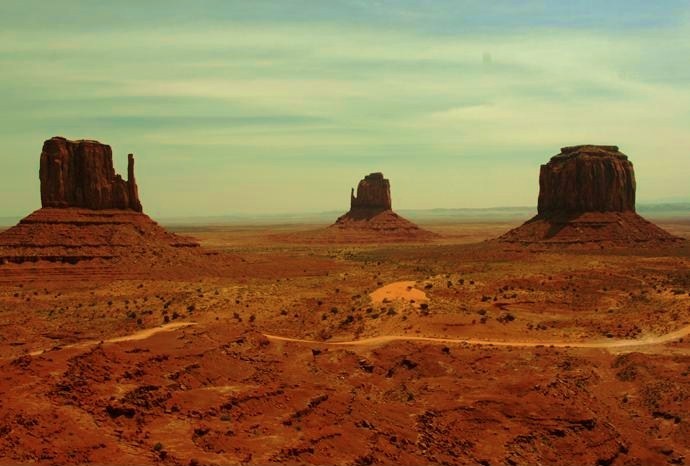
(459, 351)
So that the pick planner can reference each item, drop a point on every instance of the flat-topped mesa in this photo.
(373, 193)
(586, 178)
(81, 174)
(587, 199)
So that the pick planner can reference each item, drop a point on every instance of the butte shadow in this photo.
(587, 199)
(88, 212)
(370, 219)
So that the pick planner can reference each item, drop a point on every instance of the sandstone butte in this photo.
(587, 197)
(373, 193)
(88, 211)
(81, 174)
(371, 217)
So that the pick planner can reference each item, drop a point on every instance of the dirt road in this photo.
(603, 344)
(140, 335)
(384, 339)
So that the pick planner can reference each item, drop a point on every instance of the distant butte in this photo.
(371, 216)
(373, 193)
(587, 196)
(369, 220)
(88, 211)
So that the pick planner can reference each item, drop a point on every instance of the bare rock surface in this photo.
(71, 235)
(587, 179)
(373, 193)
(81, 174)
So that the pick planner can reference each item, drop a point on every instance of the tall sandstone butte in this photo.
(81, 174)
(587, 179)
(587, 196)
(371, 218)
(373, 193)
(88, 212)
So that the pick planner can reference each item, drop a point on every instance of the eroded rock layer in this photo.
(81, 174)
(590, 229)
(72, 235)
(383, 226)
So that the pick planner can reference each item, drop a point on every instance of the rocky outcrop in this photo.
(587, 179)
(586, 198)
(81, 174)
(373, 193)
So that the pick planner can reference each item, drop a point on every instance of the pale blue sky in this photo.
(282, 106)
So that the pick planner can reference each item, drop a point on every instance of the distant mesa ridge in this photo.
(81, 174)
(587, 196)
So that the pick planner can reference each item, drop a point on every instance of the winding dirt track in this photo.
(402, 290)
(607, 344)
(384, 339)
(140, 335)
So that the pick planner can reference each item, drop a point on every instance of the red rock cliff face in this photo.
(586, 179)
(81, 174)
(373, 193)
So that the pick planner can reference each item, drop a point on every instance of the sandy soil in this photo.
(404, 291)
(260, 352)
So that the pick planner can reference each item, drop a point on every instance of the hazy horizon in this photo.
(662, 211)
(282, 107)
